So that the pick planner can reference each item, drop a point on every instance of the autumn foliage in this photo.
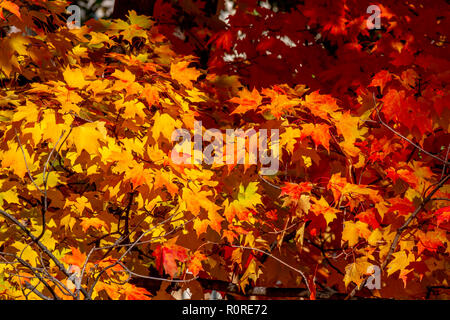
(93, 207)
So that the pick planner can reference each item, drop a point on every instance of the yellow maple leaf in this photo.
(355, 272)
(353, 230)
(79, 204)
(14, 159)
(164, 124)
(401, 261)
(68, 222)
(200, 226)
(18, 43)
(280, 103)
(74, 78)
(322, 207)
(97, 38)
(288, 138)
(88, 136)
(141, 21)
(10, 196)
(26, 252)
(347, 126)
(248, 196)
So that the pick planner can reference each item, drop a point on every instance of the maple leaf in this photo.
(195, 263)
(401, 205)
(248, 197)
(409, 77)
(321, 207)
(167, 256)
(112, 289)
(337, 185)
(223, 40)
(200, 226)
(295, 190)
(401, 261)
(76, 258)
(164, 124)
(404, 174)
(151, 94)
(368, 216)
(319, 133)
(247, 101)
(272, 215)
(321, 105)
(74, 78)
(347, 126)
(17, 161)
(196, 199)
(443, 215)
(353, 230)
(132, 292)
(381, 79)
(184, 75)
(288, 138)
(125, 76)
(93, 222)
(430, 240)
(280, 103)
(355, 272)
(88, 136)
(352, 192)
(80, 204)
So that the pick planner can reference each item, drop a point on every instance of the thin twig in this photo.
(446, 158)
(41, 246)
(36, 292)
(277, 259)
(400, 231)
(406, 139)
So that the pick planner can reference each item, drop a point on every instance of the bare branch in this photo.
(36, 292)
(41, 246)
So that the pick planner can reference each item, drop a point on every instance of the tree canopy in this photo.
(93, 205)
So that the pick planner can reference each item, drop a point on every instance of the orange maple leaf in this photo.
(76, 258)
(184, 75)
(295, 190)
(195, 263)
(319, 133)
(135, 293)
(247, 101)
